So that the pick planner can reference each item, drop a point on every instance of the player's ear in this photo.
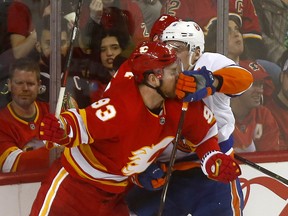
(197, 52)
(153, 80)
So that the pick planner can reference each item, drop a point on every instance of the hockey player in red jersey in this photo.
(187, 38)
(122, 134)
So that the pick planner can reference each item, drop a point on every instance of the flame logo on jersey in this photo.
(144, 156)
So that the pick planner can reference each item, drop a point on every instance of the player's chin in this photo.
(171, 95)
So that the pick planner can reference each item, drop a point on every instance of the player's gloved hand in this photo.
(202, 82)
(220, 167)
(185, 84)
(52, 129)
(153, 178)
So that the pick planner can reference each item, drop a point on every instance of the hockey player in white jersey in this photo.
(190, 191)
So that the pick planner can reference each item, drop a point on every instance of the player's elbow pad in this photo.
(234, 80)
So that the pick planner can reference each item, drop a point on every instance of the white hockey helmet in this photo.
(185, 31)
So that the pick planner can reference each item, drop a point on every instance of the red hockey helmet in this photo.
(160, 25)
(150, 55)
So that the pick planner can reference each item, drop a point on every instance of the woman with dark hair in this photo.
(109, 49)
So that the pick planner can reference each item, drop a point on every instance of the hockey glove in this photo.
(52, 129)
(220, 167)
(153, 178)
(202, 83)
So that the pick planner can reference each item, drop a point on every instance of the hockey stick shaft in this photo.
(172, 158)
(261, 169)
(69, 58)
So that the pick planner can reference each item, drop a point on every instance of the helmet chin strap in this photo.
(158, 90)
(191, 66)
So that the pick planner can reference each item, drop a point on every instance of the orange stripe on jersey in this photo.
(235, 79)
(51, 194)
(235, 199)
(186, 165)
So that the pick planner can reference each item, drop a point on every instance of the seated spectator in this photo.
(77, 87)
(104, 16)
(112, 43)
(20, 147)
(236, 48)
(17, 35)
(235, 38)
(255, 127)
(279, 107)
(205, 11)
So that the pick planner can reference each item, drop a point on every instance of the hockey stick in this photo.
(261, 169)
(54, 152)
(68, 61)
(172, 158)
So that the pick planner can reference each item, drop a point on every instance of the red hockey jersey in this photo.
(20, 148)
(280, 113)
(125, 137)
(257, 132)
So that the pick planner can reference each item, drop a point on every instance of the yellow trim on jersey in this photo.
(86, 150)
(82, 113)
(15, 165)
(76, 167)
(21, 120)
(37, 112)
(51, 194)
(6, 153)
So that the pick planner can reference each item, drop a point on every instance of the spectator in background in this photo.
(205, 11)
(279, 107)
(18, 36)
(20, 147)
(236, 48)
(104, 16)
(144, 13)
(77, 87)
(111, 45)
(272, 16)
(133, 17)
(23, 16)
(255, 128)
(235, 37)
